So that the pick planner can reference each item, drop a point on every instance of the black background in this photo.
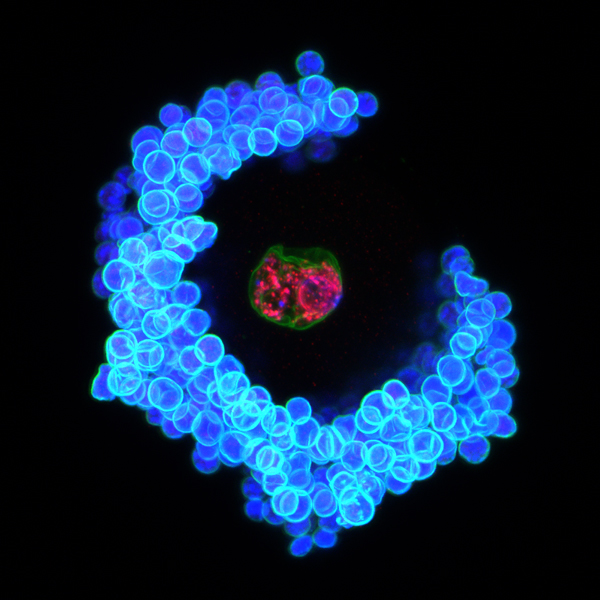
(464, 149)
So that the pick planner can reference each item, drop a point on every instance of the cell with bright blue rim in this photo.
(312, 476)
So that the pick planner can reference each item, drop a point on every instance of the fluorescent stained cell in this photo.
(295, 287)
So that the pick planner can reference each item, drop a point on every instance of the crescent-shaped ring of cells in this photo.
(313, 477)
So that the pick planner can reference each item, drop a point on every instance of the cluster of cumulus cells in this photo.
(297, 287)
(310, 475)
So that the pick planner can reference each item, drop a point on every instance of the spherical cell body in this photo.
(295, 287)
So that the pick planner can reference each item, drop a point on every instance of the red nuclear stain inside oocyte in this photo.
(295, 288)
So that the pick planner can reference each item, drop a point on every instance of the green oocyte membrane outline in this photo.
(282, 289)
